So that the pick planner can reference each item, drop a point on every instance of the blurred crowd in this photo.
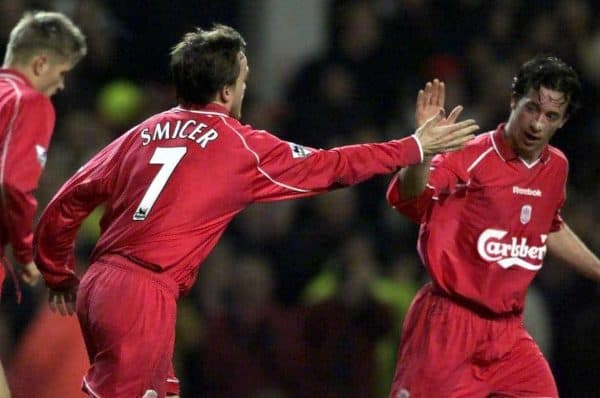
(306, 298)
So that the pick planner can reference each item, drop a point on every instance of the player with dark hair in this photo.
(42, 48)
(170, 186)
(489, 213)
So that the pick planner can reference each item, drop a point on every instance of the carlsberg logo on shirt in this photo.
(491, 248)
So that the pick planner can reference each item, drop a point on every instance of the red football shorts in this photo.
(127, 316)
(450, 351)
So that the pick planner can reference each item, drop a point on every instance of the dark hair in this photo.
(45, 31)
(552, 73)
(204, 62)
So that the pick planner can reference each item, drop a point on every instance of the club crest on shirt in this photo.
(525, 214)
(298, 151)
(41, 154)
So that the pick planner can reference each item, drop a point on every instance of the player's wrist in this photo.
(420, 146)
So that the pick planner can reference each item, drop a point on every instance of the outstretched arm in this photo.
(566, 246)
(285, 170)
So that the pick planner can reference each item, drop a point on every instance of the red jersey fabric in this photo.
(485, 217)
(26, 125)
(172, 184)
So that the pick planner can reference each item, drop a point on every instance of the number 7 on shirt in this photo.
(169, 158)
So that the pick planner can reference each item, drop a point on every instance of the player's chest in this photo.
(513, 195)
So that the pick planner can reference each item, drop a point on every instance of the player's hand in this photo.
(63, 301)
(430, 100)
(29, 274)
(440, 134)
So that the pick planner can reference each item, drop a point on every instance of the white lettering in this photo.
(162, 131)
(527, 191)
(198, 129)
(185, 126)
(210, 135)
(485, 249)
(176, 131)
(491, 248)
(146, 138)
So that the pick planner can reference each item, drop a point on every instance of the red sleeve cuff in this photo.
(412, 152)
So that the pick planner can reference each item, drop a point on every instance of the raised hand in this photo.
(430, 100)
(440, 134)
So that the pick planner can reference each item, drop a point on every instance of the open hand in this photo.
(438, 134)
(430, 100)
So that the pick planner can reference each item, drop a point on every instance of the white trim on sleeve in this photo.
(420, 147)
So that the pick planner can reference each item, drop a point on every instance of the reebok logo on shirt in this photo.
(527, 191)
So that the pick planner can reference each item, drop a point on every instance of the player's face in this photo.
(240, 88)
(51, 75)
(534, 119)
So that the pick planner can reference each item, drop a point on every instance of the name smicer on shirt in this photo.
(189, 129)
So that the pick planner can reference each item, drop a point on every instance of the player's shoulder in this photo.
(35, 99)
(556, 155)
(481, 143)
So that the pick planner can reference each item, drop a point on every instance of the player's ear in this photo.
(39, 64)
(226, 93)
(513, 101)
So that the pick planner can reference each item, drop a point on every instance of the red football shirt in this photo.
(485, 217)
(172, 184)
(26, 126)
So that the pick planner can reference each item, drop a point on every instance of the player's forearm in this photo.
(360, 162)
(21, 208)
(54, 239)
(566, 246)
(413, 180)
(348, 165)
(54, 255)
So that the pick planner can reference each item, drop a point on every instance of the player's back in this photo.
(23, 109)
(10, 90)
(179, 180)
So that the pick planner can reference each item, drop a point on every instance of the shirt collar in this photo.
(503, 148)
(17, 75)
(211, 107)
